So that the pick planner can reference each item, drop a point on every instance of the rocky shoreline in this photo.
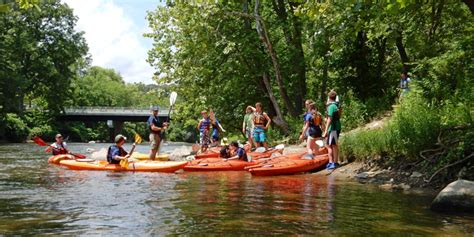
(458, 196)
(387, 179)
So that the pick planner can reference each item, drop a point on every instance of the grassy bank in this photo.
(436, 138)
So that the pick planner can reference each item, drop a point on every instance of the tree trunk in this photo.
(292, 33)
(278, 119)
(325, 78)
(300, 61)
(262, 31)
(402, 52)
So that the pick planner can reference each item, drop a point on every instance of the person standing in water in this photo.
(204, 126)
(247, 125)
(333, 129)
(156, 127)
(312, 126)
(216, 125)
(261, 122)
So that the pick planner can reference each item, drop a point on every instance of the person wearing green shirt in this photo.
(247, 125)
(333, 129)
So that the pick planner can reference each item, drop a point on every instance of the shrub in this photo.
(15, 128)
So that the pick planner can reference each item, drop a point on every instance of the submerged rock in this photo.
(457, 196)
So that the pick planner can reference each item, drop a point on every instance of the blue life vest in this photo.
(205, 124)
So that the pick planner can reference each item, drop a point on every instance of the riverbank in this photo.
(389, 179)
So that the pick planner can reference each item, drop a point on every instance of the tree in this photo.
(38, 52)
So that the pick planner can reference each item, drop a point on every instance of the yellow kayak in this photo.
(143, 156)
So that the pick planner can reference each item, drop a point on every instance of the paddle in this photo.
(40, 142)
(173, 96)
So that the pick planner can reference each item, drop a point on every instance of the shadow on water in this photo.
(37, 198)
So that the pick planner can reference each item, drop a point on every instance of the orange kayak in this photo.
(217, 164)
(144, 166)
(212, 152)
(289, 166)
(215, 153)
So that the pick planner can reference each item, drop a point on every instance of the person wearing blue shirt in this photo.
(216, 125)
(237, 152)
(116, 153)
(404, 84)
(156, 128)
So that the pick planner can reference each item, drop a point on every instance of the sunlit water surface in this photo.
(39, 198)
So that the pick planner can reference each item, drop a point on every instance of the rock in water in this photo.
(457, 196)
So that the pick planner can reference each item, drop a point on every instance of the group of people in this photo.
(254, 127)
(256, 122)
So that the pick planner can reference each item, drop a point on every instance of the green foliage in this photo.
(15, 128)
(38, 52)
(414, 126)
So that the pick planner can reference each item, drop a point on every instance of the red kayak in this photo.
(217, 164)
(287, 166)
(214, 152)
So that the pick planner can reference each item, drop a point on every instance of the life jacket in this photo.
(259, 119)
(205, 124)
(110, 159)
(316, 119)
(59, 149)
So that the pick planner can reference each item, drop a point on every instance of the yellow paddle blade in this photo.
(124, 163)
(138, 139)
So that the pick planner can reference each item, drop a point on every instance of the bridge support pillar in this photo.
(115, 129)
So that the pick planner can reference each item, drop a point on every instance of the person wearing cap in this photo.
(59, 147)
(156, 128)
(116, 153)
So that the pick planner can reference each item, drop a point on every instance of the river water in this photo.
(39, 198)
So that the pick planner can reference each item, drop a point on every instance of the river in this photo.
(37, 198)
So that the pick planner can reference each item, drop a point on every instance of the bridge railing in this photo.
(110, 110)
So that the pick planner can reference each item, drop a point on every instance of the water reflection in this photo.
(37, 198)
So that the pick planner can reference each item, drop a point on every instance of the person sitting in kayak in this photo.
(116, 153)
(261, 122)
(312, 126)
(216, 125)
(225, 152)
(237, 152)
(59, 147)
(204, 127)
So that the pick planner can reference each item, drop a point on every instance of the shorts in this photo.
(215, 136)
(248, 133)
(315, 132)
(333, 137)
(259, 135)
(204, 138)
(155, 140)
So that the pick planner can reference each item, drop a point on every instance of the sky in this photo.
(114, 33)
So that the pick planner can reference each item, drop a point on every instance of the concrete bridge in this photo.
(114, 116)
(109, 113)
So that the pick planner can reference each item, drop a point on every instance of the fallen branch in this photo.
(447, 166)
